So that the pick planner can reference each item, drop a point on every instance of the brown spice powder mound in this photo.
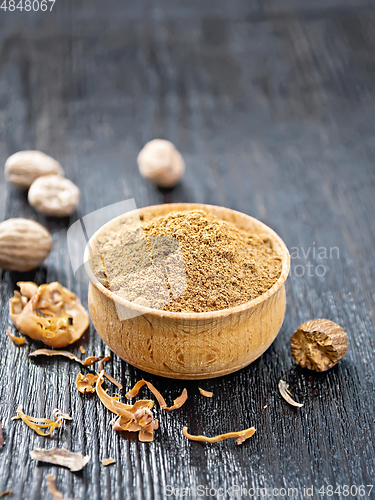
(224, 266)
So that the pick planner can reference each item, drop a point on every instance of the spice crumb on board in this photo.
(285, 393)
(217, 264)
(108, 461)
(8, 493)
(52, 489)
(207, 394)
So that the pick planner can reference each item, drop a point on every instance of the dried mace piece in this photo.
(53, 314)
(42, 423)
(319, 344)
(6, 493)
(240, 435)
(60, 456)
(108, 461)
(207, 394)
(86, 383)
(52, 490)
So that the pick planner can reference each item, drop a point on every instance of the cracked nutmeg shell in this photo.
(319, 344)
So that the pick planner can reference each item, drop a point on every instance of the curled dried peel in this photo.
(131, 418)
(240, 435)
(37, 424)
(177, 403)
(66, 354)
(14, 339)
(207, 394)
(285, 393)
(112, 404)
(53, 314)
(108, 461)
(107, 375)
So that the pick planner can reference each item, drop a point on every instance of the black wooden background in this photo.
(272, 105)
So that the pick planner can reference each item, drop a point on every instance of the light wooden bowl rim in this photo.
(283, 253)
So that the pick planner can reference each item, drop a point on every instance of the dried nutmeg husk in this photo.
(319, 344)
(52, 314)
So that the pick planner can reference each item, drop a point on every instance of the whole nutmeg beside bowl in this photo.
(161, 162)
(187, 345)
(319, 344)
(54, 196)
(24, 244)
(23, 167)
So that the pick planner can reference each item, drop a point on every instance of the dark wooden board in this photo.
(272, 106)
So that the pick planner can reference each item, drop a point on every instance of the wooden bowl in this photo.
(191, 345)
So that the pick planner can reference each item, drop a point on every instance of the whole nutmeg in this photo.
(24, 244)
(54, 195)
(24, 167)
(160, 162)
(319, 344)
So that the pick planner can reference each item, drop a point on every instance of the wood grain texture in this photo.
(272, 107)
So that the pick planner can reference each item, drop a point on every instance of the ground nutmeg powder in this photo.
(219, 265)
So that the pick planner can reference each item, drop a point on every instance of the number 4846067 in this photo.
(13, 5)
